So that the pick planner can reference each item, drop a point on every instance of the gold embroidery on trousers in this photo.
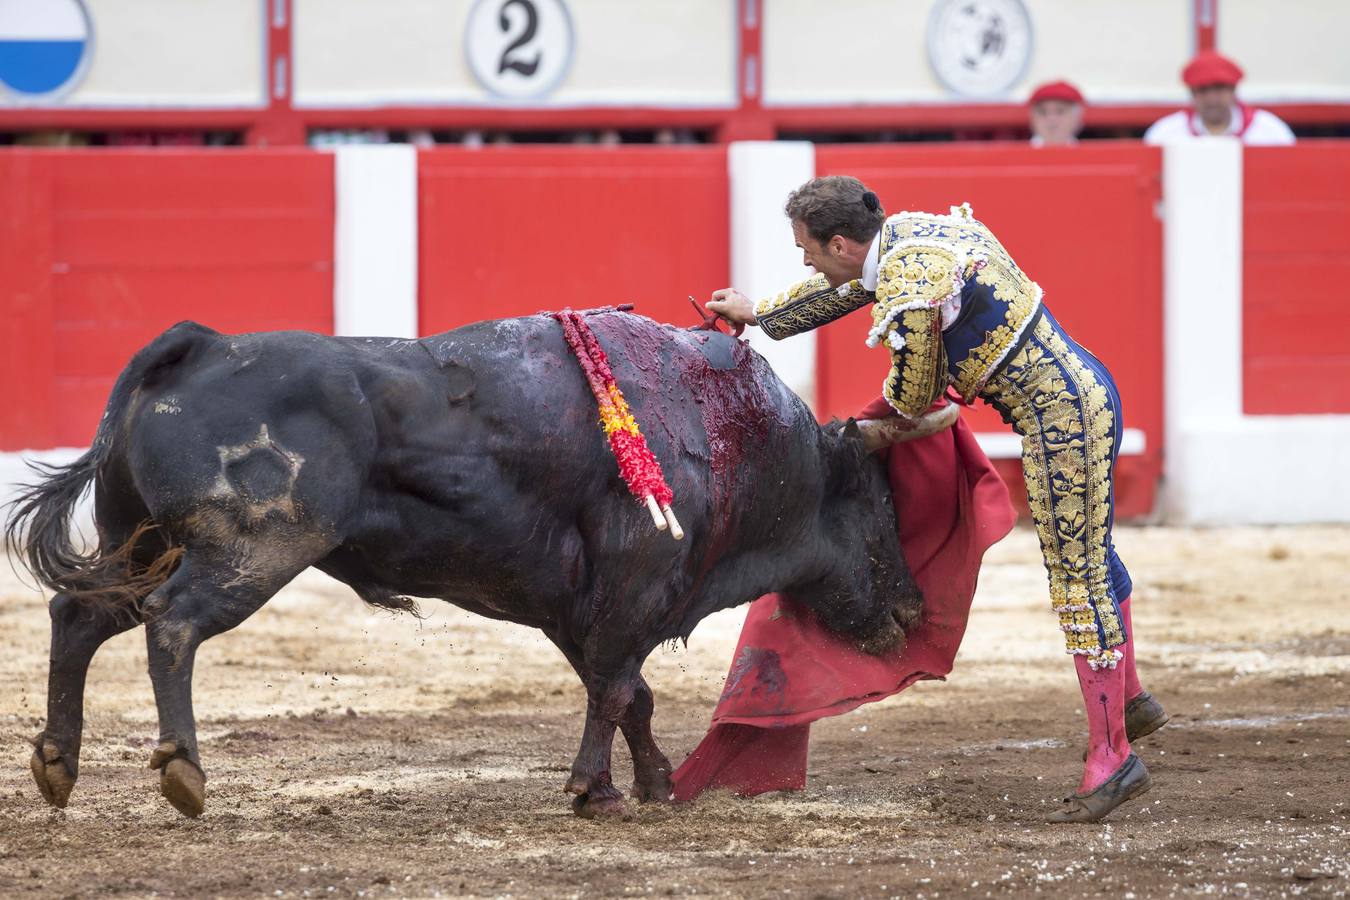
(1064, 416)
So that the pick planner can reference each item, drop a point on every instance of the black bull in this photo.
(469, 467)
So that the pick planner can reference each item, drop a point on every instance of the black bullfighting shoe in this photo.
(1143, 716)
(1127, 782)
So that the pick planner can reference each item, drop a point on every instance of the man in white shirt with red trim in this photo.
(1213, 80)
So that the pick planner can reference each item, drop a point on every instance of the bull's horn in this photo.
(878, 433)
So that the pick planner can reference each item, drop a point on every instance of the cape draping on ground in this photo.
(789, 671)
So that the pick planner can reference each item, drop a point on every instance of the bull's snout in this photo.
(886, 638)
(908, 611)
(888, 635)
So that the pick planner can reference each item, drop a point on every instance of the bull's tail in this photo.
(39, 517)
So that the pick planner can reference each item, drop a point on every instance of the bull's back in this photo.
(696, 393)
(727, 432)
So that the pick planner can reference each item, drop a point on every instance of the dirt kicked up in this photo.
(351, 753)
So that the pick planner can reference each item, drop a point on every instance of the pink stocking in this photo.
(1104, 703)
(1132, 686)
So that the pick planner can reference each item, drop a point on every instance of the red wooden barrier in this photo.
(1295, 317)
(511, 231)
(27, 338)
(1081, 221)
(103, 249)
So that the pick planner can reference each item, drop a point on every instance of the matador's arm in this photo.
(808, 304)
(914, 282)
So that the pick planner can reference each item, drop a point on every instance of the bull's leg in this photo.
(201, 600)
(77, 633)
(608, 696)
(651, 769)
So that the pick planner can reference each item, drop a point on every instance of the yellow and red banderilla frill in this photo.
(638, 466)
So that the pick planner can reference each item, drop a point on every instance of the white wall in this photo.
(359, 53)
(14, 471)
(875, 51)
(375, 241)
(211, 53)
(764, 255)
(1114, 52)
(866, 51)
(1290, 52)
(180, 53)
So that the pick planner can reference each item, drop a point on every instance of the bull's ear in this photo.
(851, 430)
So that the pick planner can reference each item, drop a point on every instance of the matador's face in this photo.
(838, 259)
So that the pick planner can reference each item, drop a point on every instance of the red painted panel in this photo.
(240, 240)
(508, 231)
(1081, 221)
(26, 340)
(1295, 321)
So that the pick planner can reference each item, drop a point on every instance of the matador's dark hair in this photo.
(836, 204)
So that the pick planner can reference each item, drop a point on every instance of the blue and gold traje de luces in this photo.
(952, 307)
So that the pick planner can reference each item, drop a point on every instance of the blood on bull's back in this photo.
(735, 444)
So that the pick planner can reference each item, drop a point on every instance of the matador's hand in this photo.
(733, 306)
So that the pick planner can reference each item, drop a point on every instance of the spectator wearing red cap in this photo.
(1056, 114)
(1213, 80)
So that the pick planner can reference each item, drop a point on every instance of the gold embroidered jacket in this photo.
(950, 305)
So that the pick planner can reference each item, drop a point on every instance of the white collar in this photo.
(1234, 123)
(872, 265)
(1038, 141)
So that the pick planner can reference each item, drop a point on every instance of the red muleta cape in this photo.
(789, 671)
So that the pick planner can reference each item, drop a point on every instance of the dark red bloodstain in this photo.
(722, 376)
(722, 451)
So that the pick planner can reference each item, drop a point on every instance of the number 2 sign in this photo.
(519, 49)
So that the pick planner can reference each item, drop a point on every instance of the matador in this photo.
(953, 309)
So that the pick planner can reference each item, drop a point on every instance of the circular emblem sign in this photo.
(44, 47)
(519, 49)
(979, 48)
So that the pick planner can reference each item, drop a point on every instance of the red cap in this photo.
(1209, 68)
(1056, 90)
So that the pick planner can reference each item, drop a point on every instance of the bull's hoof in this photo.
(181, 781)
(656, 787)
(596, 797)
(601, 807)
(54, 779)
(183, 785)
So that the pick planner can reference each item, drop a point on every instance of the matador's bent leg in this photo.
(1065, 407)
(1143, 713)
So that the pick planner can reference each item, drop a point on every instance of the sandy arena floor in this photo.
(350, 753)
